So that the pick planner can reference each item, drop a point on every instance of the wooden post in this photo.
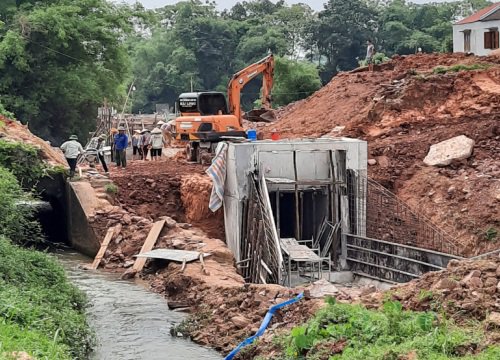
(102, 250)
(297, 215)
(148, 244)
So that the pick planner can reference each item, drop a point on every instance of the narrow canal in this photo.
(130, 322)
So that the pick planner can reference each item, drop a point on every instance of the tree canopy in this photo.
(61, 59)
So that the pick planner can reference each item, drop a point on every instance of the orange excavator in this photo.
(206, 119)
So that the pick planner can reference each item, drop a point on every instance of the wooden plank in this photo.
(102, 250)
(148, 244)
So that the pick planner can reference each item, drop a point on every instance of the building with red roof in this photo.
(478, 34)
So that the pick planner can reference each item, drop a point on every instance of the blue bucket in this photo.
(252, 135)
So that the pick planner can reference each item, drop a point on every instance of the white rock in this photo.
(445, 152)
(322, 288)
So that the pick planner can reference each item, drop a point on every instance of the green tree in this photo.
(55, 68)
(294, 80)
(340, 33)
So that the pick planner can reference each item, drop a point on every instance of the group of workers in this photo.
(142, 143)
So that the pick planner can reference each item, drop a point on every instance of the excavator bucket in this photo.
(260, 115)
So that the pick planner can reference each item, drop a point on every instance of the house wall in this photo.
(477, 36)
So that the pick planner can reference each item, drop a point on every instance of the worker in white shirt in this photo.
(71, 149)
(167, 130)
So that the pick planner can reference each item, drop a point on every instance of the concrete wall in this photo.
(477, 36)
(81, 201)
(392, 262)
(275, 158)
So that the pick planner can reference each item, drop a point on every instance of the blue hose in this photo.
(263, 326)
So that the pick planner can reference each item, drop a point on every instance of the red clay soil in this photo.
(465, 290)
(401, 110)
(15, 131)
(168, 188)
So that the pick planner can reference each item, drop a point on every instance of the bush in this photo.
(378, 58)
(23, 161)
(16, 216)
(392, 333)
(459, 67)
(37, 299)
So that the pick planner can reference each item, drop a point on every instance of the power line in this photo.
(50, 49)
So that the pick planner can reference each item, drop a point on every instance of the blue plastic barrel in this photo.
(252, 135)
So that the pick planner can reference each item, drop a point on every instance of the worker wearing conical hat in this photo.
(136, 149)
(157, 143)
(71, 149)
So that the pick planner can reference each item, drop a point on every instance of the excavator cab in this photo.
(205, 116)
(203, 104)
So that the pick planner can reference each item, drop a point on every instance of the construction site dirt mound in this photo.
(152, 189)
(195, 195)
(401, 109)
(15, 131)
(465, 291)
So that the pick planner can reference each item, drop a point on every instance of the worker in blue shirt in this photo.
(121, 144)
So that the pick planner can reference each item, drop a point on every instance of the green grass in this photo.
(37, 300)
(388, 334)
(13, 338)
(111, 188)
(491, 234)
(459, 67)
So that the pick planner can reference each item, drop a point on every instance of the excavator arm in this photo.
(243, 77)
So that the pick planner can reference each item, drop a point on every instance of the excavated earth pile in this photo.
(401, 109)
(173, 188)
(12, 130)
(465, 291)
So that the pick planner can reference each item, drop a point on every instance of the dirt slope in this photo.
(401, 110)
(15, 131)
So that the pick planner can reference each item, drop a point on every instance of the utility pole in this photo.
(191, 83)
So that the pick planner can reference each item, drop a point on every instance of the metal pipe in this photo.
(278, 225)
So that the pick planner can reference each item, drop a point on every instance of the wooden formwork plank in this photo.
(148, 244)
(104, 247)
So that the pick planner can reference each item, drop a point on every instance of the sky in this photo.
(226, 4)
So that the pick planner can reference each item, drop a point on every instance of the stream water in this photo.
(130, 322)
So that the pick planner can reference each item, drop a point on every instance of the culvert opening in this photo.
(312, 210)
(50, 210)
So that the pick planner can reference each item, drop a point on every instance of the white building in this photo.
(478, 33)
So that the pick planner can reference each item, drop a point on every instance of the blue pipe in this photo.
(263, 326)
